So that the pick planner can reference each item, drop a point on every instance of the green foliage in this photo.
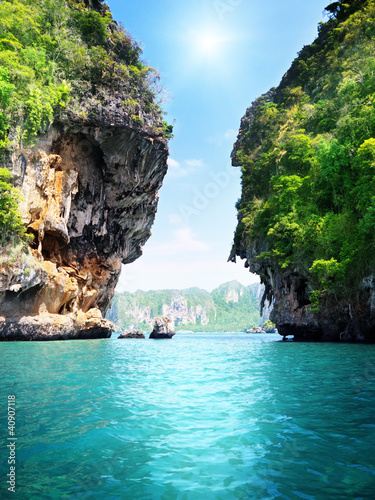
(29, 90)
(10, 219)
(53, 50)
(93, 26)
(168, 130)
(327, 276)
(128, 309)
(6, 90)
(308, 160)
(269, 326)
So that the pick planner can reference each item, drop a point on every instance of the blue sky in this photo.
(214, 58)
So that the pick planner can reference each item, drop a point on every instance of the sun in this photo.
(208, 47)
(207, 44)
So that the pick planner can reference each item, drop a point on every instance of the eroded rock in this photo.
(132, 335)
(163, 329)
(90, 197)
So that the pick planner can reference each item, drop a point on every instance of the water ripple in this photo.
(199, 417)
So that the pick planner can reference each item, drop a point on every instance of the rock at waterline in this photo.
(132, 335)
(163, 329)
(258, 329)
(255, 330)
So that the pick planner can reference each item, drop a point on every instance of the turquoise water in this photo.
(210, 416)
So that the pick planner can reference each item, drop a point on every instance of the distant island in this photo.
(232, 307)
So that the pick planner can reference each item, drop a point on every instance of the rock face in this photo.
(230, 307)
(163, 329)
(344, 322)
(90, 197)
(288, 291)
(298, 190)
(255, 330)
(90, 188)
(132, 335)
(181, 313)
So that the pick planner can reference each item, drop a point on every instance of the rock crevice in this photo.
(90, 195)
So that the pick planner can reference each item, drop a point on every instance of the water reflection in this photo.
(205, 417)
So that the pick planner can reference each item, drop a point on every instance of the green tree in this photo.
(10, 218)
(308, 163)
(52, 53)
(6, 90)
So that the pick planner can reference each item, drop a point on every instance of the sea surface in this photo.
(198, 417)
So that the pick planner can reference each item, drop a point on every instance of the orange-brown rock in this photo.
(90, 194)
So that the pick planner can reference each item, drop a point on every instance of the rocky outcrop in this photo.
(94, 4)
(89, 183)
(339, 321)
(132, 335)
(232, 296)
(90, 196)
(230, 307)
(256, 330)
(247, 122)
(180, 312)
(304, 223)
(286, 294)
(163, 329)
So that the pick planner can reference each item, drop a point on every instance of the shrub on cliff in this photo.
(308, 161)
(10, 220)
(51, 50)
(56, 56)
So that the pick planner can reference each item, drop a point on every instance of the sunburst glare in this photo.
(208, 44)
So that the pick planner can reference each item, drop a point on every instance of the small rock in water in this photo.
(163, 329)
(132, 335)
(255, 330)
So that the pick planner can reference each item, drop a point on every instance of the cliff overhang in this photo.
(90, 195)
(305, 216)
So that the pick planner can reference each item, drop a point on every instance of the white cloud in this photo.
(194, 163)
(160, 274)
(175, 219)
(229, 135)
(183, 241)
(173, 163)
(176, 169)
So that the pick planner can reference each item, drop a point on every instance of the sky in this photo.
(214, 58)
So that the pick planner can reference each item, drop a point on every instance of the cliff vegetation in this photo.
(65, 57)
(83, 137)
(53, 52)
(307, 152)
(231, 307)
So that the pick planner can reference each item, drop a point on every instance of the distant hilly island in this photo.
(232, 307)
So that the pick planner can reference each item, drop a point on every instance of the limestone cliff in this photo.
(307, 157)
(230, 307)
(90, 193)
